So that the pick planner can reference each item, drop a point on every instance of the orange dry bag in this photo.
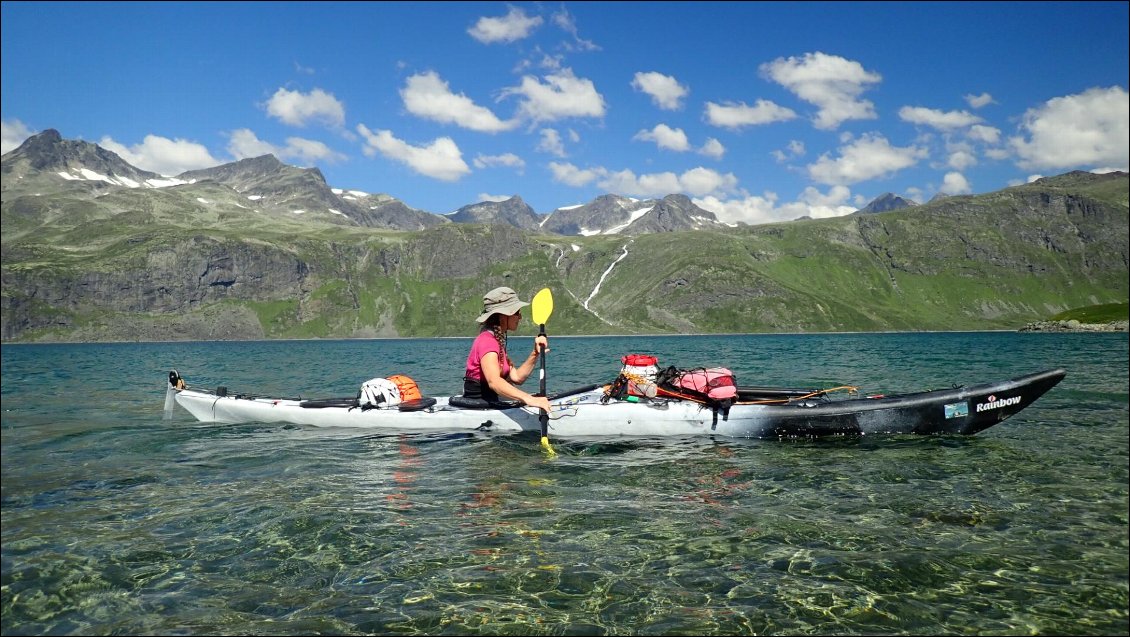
(408, 389)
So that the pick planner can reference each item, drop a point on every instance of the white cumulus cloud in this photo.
(701, 181)
(954, 183)
(513, 26)
(309, 151)
(736, 115)
(832, 83)
(961, 159)
(665, 91)
(750, 209)
(441, 159)
(551, 142)
(508, 160)
(982, 133)
(1089, 129)
(244, 143)
(941, 120)
(712, 148)
(696, 182)
(561, 95)
(427, 95)
(627, 182)
(665, 137)
(758, 209)
(164, 156)
(978, 101)
(14, 133)
(795, 149)
(571, 175)
(868, 157)
(299, 109)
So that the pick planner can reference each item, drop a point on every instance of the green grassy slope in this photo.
(1106, 313)
(200, 262)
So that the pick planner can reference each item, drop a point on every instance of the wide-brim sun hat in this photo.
(500, 301)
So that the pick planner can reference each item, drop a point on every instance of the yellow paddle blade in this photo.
(548, 447)
(542, 306)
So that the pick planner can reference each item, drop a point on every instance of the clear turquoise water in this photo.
(118, 522)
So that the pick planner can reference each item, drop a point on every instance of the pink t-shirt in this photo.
(485, 343)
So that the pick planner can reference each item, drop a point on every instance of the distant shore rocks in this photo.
(1074, 326)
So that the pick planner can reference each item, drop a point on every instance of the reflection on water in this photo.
(115, 521)
(405, 475)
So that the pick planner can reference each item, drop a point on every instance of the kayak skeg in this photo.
(763, 412)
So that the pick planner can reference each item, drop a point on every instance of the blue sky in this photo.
(758, 111)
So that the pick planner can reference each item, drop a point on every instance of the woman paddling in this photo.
(490, 373)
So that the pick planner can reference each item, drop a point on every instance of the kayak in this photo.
(755, 412)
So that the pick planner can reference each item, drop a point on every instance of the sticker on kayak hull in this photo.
(997, 403)
(957, 410)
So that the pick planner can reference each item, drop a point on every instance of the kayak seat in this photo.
(464, 402)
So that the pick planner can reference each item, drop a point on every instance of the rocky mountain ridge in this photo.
(71, 160)
(614, 214)
(512, 212)
(266, 185)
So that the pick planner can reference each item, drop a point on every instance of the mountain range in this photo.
(264, 185)
(96, 249)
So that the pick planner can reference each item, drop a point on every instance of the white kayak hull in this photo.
(579, 415)
(959, 410)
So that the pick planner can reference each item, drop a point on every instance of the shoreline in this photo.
(1038, 326)
(1074, 326)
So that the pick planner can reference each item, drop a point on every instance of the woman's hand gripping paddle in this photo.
(543, 307)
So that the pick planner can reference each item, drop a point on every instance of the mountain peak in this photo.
(679, 199)
(48, 152)
(886, 202)
(262, 161)
(49, 136)
(251, 168)
(41, 143)
(512, 211)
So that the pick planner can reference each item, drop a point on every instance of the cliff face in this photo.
(1008, 229)
(175, 277)
(169, 279)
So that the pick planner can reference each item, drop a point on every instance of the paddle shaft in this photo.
(543, 418)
